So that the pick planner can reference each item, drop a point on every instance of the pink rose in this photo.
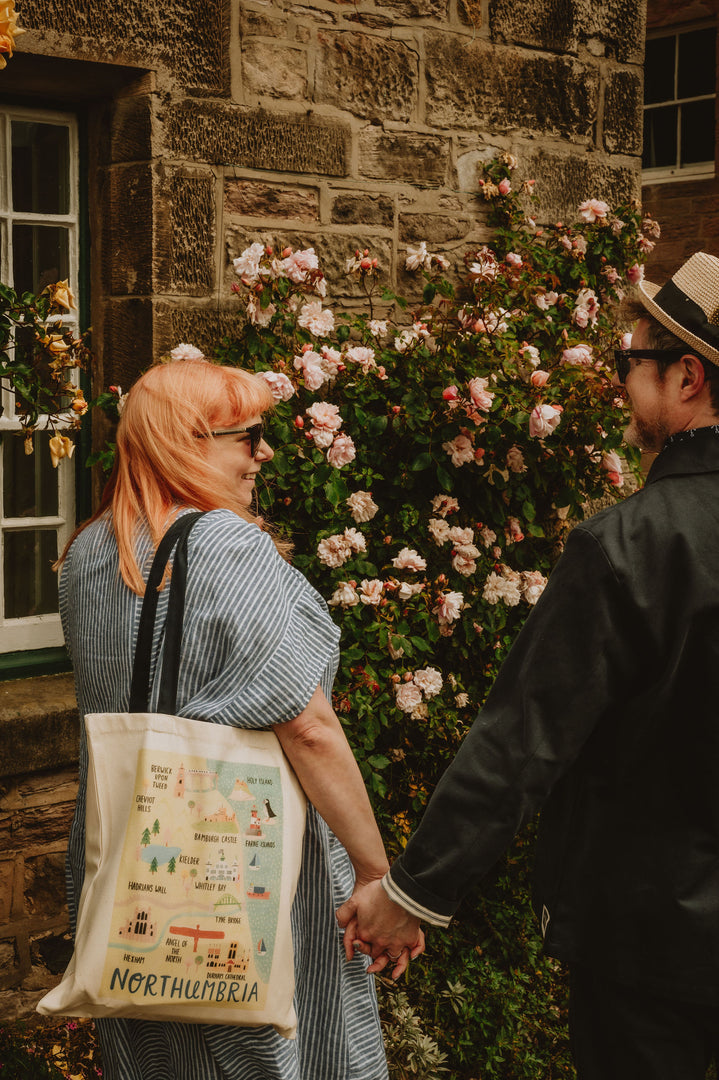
(409, 697)
(318, 320)
(542, 421)
(362, 506)
(580, 354)
(460, 449)
(504, 187)
(281, 387)
(449, 606)
(538, 378)
(370, 592)
(450, 393)
(297, 265)
(513, 531)
(341, 452)
(635, 273)
(325, 415)
(360, 354)
(409, 559)
(513, 259)
(479, 394)
(593, 209)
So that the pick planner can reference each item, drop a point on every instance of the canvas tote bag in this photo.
(193, 851)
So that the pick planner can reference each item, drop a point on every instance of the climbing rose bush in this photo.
(429, 461)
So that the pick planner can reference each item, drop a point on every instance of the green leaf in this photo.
(429, 292)
(422, 461)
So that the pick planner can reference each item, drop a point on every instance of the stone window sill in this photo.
(39, 724)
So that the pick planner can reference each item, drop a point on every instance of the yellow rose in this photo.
(60, 447)
(9, 29)
(55, 344)
(61, 295)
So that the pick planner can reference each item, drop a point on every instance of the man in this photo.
(607, 712)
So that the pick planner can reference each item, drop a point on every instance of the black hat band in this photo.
(687, 313)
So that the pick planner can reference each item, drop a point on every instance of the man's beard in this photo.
(649, 436)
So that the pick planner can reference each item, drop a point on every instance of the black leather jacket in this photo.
(607, 712)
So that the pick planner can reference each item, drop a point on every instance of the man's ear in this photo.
(693, 376)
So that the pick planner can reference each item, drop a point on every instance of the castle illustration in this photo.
(221, 870)
(139, 927)
(194, 780)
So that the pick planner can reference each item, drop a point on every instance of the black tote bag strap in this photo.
(140, 688)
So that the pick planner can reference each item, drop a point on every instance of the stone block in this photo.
(434, 228)
(185, 233)
(471, 13)
(564, 181)
(544, 24)
(7, 890)
(128, 229)
(347, 71)
(252, 138)
(39, 825)
(45, 885)
(204, 327)
(251, 198)
(9, 963)
(52, 951)
(623, 113)
(501, 89)
(271, 70)
(332, 251)
(128, 340)
(358, 209)
(419, 159)
(617, 26)
(417, 9)
(190, 39)
(39, 725)
(260, 21)
(130, 129)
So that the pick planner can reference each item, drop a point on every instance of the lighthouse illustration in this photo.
(255, 827)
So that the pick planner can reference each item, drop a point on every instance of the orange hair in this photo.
(161, 465)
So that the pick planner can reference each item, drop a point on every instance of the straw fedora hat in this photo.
(688, 304)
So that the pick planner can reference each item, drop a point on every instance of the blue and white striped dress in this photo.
(257, 640)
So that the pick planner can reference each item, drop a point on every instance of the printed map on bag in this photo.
(198, 889)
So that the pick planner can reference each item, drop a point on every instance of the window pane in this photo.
(697, 63)
(660, 138)
(697, 121)
(659, 69)
(30, 582)
(40, 168)
(40, 256)
(29, 480)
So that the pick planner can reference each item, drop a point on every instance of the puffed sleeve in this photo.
(257, 638)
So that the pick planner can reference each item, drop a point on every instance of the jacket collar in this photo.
(694, 451)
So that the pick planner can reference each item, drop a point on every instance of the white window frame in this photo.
(37, 631)
(700, 170)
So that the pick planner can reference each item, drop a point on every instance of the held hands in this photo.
(380, 929)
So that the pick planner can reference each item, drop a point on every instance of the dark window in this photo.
(679, 100)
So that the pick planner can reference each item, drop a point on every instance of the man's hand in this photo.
(380, 929)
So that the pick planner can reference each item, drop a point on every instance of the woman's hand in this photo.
(380, 928)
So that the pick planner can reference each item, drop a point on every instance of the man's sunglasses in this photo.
(255, 434)
(623, 356)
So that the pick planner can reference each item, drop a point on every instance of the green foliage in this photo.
(427, 472)
(37, 354)
(49, 1050)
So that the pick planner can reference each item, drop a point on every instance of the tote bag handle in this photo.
(140, 687)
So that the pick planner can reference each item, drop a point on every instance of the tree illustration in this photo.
(153, 866)
(156, 827)
(146, 838)
(171, 866)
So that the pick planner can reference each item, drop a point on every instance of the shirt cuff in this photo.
(412, 906)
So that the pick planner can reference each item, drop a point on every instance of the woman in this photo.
(259, 650)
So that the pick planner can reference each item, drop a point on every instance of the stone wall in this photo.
(688, 210)
(38, 784)
(305, 122)
(326, 123)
